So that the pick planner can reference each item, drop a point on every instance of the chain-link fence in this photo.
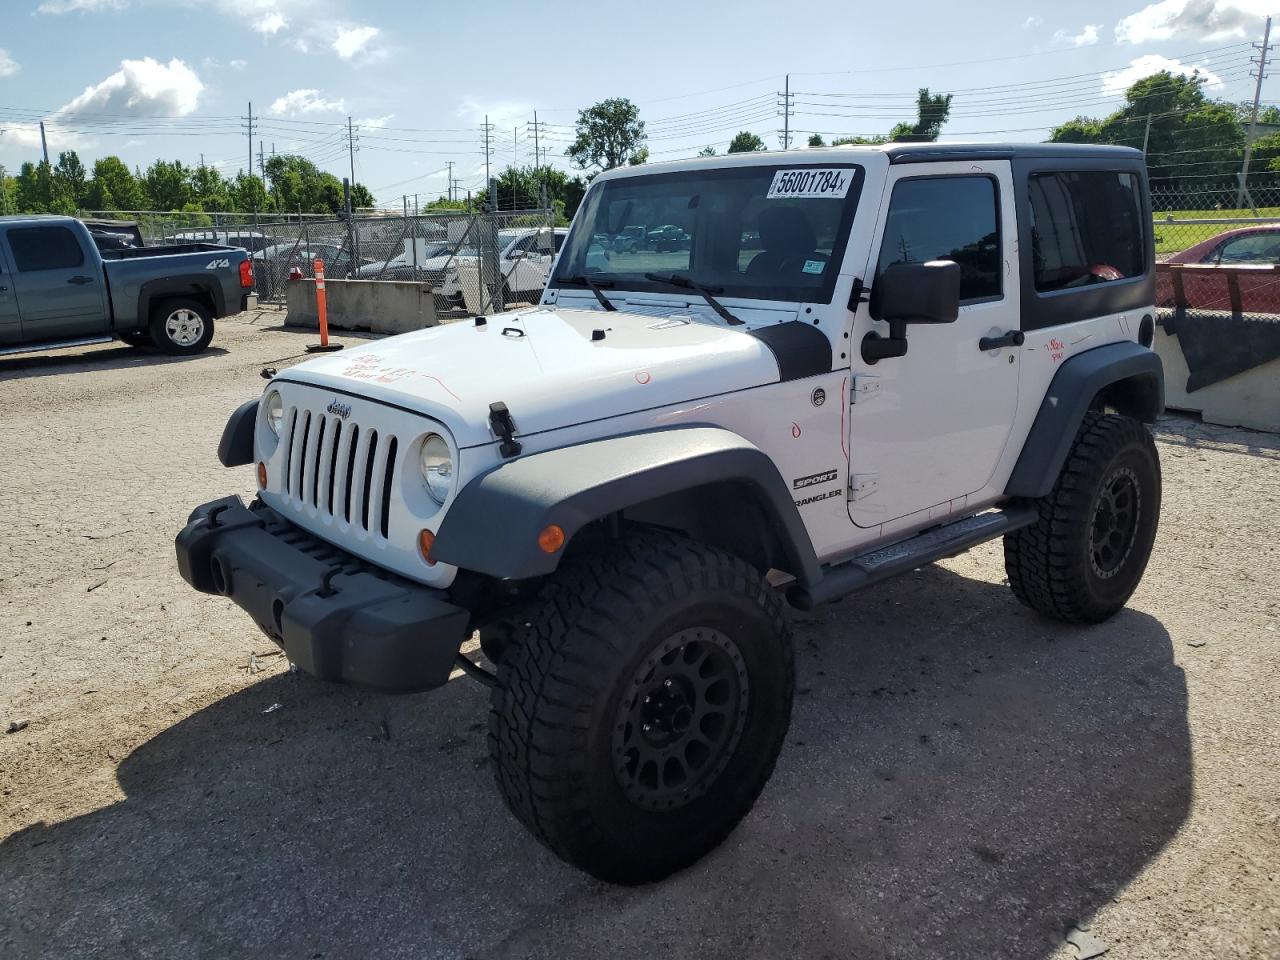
(474, 262)
(1217, 240)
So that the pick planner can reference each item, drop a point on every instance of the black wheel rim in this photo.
(680, 719)
(1115, 523)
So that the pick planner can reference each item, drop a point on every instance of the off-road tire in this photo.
(554, 730)
(1056, 566)
(138, 338)
(162, 335)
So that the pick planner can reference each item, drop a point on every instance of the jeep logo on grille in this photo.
(342, 410)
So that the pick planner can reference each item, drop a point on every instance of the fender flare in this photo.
(181, 285)
(492, 526)
(1132, 378)
(235, 449)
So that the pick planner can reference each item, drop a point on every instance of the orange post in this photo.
(322, 311)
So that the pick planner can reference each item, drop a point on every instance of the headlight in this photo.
(437, 467)
(275, 411)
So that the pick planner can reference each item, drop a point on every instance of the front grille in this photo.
(338, 469)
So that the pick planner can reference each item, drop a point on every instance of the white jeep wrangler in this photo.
(863, 360)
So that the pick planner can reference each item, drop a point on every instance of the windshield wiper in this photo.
(592, 285)
(680, 280)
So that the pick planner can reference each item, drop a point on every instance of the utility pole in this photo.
(1261, 61)
(488, 180)
(44, 144)
(351, 157)
(249, 169)
(1146, 136)
(262, 162)
(351, 150)
(785, 112)
(450, 185)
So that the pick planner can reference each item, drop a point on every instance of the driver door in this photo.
(926, 430)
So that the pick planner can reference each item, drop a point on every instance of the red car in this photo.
(1246, 291)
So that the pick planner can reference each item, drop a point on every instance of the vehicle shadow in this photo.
(961, 779)
(119, 357)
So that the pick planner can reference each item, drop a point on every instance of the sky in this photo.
(173, 79)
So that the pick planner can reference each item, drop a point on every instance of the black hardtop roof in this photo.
(924, 152)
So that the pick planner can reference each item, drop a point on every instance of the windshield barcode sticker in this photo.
(810, 182)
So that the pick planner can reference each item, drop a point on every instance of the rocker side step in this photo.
(53, 345)
(938, 543)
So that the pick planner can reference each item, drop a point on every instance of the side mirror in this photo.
(911, 293)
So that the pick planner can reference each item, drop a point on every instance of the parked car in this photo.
(401, 266)
(244, 239)
(525, 258)
(57, 288)
(667, 238)
(1246, 291)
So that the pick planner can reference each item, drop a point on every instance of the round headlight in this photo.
(275, 411)
(437, 467)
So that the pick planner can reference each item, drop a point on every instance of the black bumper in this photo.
(335, 616)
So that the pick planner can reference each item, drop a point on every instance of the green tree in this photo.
(249, 193)
(745, 142)
(707, 151)
(815, 140)
(113, 188)
(70, 178)
(522, 187)
(1079, 130)
(34, 190)
(298, 184)
(168, 185)
(209, 189)
(932, 111)
(609, 134)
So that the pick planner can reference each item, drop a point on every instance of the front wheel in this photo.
(181, 327)
(1085, 555)
(641, 712)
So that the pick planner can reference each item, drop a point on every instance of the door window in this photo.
(1254, 248)
(44, 248)
(947, 218)
(1086, 228)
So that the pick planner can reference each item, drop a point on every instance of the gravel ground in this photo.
(961, 778)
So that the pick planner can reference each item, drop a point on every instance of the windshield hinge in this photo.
(504, 429)
(864, 386)
(863, 485)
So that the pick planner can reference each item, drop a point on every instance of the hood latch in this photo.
(504, 429)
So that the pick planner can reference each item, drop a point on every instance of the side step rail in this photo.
(937, 543)
(53, 345)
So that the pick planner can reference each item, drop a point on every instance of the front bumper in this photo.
(335, 616)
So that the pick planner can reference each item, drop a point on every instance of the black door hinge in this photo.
(504, 429)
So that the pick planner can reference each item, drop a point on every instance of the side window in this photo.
(947, 218)
(1255, 248)
(44, 248)
(1086, 228)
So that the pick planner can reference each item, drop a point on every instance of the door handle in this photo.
(1014, 338)
(80, 281)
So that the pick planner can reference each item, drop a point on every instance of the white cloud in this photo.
(1087, 37)
(352, 40)
(271, 24)
(8, 65)
(1121, 80)
(140, 88)
(499, 114)
(300, 103)
(86, 6)
(1032, 22)
(237, 64)
(376, 123)
(1194, 20)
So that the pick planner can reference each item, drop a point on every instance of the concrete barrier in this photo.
(1249, 399)
(380, 306)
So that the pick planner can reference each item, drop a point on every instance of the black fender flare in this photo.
(493, 523)
(235, 449)
(1130, 377)
(181, 285)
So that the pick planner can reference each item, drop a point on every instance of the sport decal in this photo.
(826, 476)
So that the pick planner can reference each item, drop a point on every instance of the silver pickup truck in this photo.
(58, 289)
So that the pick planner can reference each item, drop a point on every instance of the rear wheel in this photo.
(641, 712)
(1085, 555)
(181, 327)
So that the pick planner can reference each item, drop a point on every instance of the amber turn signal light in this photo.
(426, 539)
(551, 538)
(262, 475)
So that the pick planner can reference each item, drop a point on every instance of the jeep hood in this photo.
(545, 366)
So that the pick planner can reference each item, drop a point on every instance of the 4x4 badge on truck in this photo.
(342, 410)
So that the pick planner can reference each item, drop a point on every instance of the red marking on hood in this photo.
(795, 430)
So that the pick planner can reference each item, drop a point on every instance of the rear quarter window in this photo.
(44, 248)
(1086, 228)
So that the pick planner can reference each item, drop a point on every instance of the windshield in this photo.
(773, 232)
